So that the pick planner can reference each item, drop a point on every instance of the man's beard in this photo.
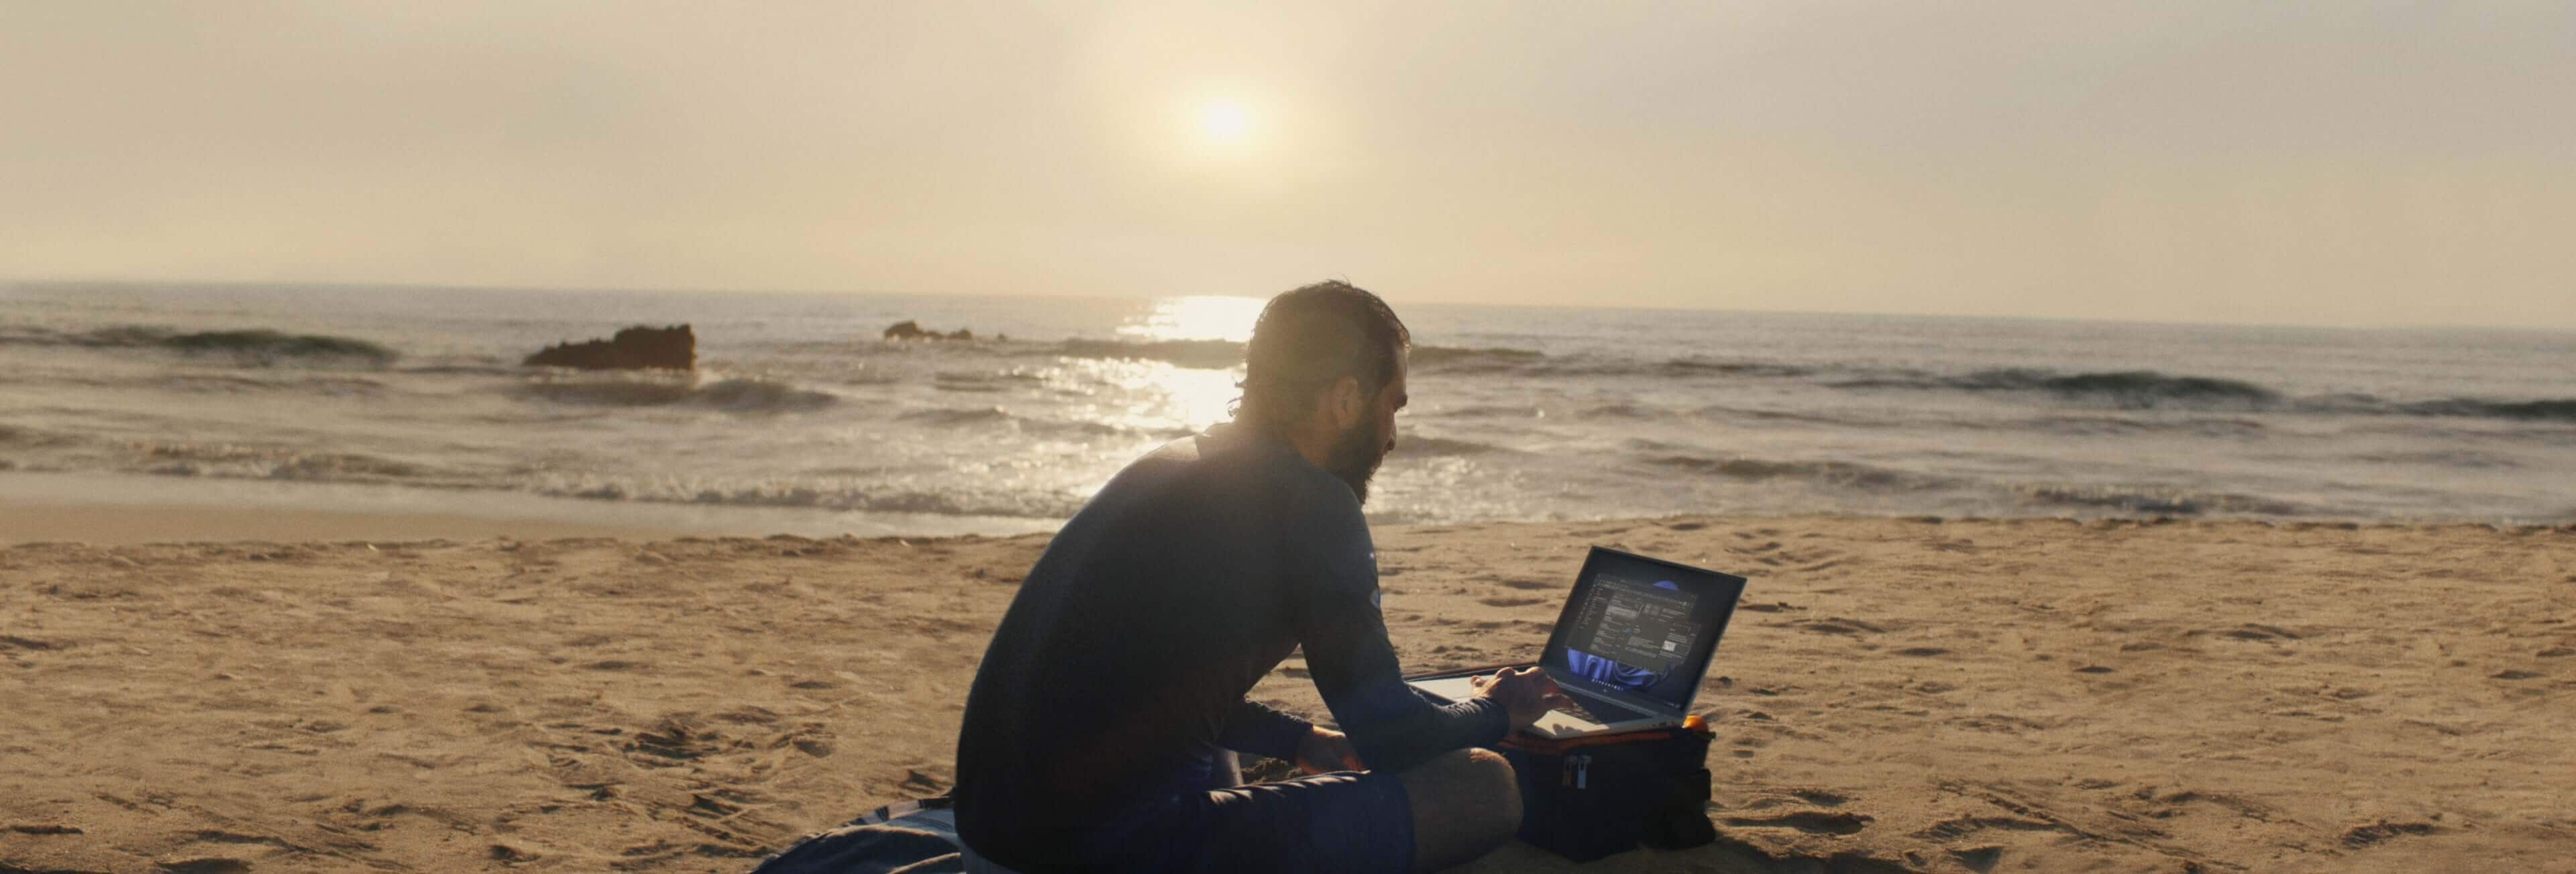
(1356, 455)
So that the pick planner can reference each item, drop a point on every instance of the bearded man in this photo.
(1102, 730)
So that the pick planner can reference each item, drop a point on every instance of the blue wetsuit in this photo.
(1095, 733)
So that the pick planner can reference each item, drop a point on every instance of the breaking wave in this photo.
(256, 345)
(2095, 426)
(2554, 410)
(1444, 447)
(1449, 359)
(733, 395)
(2127, 389)
(2147, 389)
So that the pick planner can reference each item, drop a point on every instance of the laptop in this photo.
(1630, 648)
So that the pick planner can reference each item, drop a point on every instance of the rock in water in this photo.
(912, 330)
(635, 348)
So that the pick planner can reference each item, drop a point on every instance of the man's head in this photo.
(1325, 371)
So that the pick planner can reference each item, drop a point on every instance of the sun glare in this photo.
(1199, 317)
(1225, 123)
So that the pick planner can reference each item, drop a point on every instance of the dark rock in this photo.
(912, 330)
(635, 348)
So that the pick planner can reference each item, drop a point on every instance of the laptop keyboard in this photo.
(1598, 710)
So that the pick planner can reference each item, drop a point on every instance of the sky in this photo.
(2347, 162)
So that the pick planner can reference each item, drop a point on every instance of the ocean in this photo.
(800, 419)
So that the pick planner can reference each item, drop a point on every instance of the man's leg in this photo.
(1465, 804)
(1458, 806)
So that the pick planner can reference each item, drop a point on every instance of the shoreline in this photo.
(36, 516)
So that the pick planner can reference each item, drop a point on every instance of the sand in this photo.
(1896, 695)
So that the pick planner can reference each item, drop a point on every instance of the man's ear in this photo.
(1348, 404)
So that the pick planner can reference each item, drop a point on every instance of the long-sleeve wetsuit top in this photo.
(1120, 669)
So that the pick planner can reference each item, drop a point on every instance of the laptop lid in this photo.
(1640, 631)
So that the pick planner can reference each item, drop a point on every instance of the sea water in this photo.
(800, 417)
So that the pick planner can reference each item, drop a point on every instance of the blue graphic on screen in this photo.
(1598, 669)
(1630, 633)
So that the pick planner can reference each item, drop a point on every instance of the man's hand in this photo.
(1526, 694)
(1323, 749)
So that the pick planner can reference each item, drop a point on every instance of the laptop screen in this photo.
(1641, 626)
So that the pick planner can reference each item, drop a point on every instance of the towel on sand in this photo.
(906, 837)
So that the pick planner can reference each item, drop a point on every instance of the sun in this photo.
(1225, 123)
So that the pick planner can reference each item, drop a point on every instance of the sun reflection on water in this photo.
(1160, 397)
(1153, 397)
(1199, 317)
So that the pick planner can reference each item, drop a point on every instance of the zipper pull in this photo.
(1583, 774)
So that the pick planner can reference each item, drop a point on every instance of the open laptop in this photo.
(1631, 646)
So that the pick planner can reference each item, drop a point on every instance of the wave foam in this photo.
(736, 394)
(2158, 501)
(1838, 473)
(836, 497)
(259, 462)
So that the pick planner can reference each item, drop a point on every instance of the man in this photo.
(1101, 730)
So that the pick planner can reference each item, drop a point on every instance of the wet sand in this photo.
(1895, 695)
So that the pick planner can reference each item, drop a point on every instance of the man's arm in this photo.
(1333, 585)
(1256, 728)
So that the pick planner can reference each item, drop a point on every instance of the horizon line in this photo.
(574, 289)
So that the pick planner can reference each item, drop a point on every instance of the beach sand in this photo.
(1895, 695)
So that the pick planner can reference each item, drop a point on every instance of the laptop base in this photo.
(1557, 724)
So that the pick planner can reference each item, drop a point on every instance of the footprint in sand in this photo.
(1978, 859)
(2266, 633)
(1814, 822)
(1509, 602)
(1963, 826)
(1839, 625)
(47, 829)
(2365, 836)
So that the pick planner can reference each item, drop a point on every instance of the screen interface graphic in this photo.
(1632, 630)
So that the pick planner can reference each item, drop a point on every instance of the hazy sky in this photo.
(2334, 162)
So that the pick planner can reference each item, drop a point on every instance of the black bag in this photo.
(1588, 797)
